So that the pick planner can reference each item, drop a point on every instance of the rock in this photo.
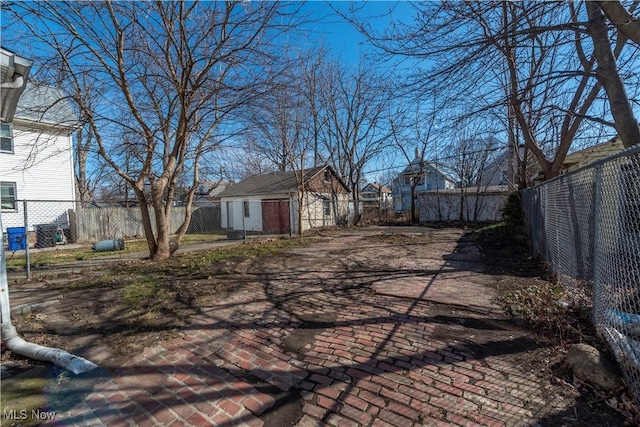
(593, 367)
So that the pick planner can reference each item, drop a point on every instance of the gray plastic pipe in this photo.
(17, 83)
(17, 345)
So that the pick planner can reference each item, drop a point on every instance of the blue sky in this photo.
(345, 41)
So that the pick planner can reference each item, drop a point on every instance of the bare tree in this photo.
(469, 154)
(357, 108)
(279, 128)
(528, 60)
(416, 129)
(607, 70)
(172, 72)
(622, 18)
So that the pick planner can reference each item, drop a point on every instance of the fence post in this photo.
(597, 214)
(27, 254)
(72, 225)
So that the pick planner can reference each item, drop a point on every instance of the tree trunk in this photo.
(146, 221)
(413, 203)
(607, 73)
(162, 211)
(300, 207)
(619, 16)
(356, 203)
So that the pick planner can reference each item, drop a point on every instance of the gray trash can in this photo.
(46, 235)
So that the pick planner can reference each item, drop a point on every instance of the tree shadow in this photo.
(346, 337)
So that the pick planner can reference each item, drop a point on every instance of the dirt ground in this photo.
(85, 313)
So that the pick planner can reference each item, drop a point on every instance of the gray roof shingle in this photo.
(45, 104)
(272, 183)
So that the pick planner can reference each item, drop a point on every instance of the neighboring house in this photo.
(580, 158)
(577, 159)
(208, 193)
(500, 170)
(431, 178)
(36, 157)
(269, 203)
(376, 195)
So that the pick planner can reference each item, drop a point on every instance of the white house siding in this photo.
(313, 210)
(232, 215)
(42, 168)
(482, 207)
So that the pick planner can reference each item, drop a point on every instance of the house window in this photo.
(326, 207)
(408, 179)
(327, 176)
(6, 138)
(245, 208)
(8, 196)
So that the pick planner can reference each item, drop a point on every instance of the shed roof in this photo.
(277, 183)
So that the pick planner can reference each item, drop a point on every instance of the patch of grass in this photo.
(503, 229)
(62, 254)
(26, 393)
(141, 291)
(106, 280)
(165, 294)
(204, 260)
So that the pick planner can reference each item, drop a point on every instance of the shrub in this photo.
(512, 212)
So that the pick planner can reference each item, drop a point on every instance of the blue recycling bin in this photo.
(16, 238)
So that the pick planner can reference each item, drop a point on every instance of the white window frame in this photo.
(326, 207)
(9, 137)
(14, 201)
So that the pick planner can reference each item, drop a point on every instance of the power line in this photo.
(437, 159)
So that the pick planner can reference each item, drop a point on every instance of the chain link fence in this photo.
(586, 226)
(43, 233)
(86, 222)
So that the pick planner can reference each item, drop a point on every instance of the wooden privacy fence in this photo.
(445, 206)
(92, 224)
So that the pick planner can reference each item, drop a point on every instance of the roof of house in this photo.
(45, 104)
(414, 166)
(376, 187)
(212, 188)
(273, 183)
(591, 154)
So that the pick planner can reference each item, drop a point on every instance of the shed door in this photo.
(275, 216)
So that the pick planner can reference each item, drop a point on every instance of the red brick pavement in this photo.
(378, 361)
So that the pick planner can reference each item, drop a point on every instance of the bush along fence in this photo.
(586, 226)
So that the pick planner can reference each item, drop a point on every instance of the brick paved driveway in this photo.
(361, 329)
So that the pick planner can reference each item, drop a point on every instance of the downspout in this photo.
(17, 345)
(17, 83)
